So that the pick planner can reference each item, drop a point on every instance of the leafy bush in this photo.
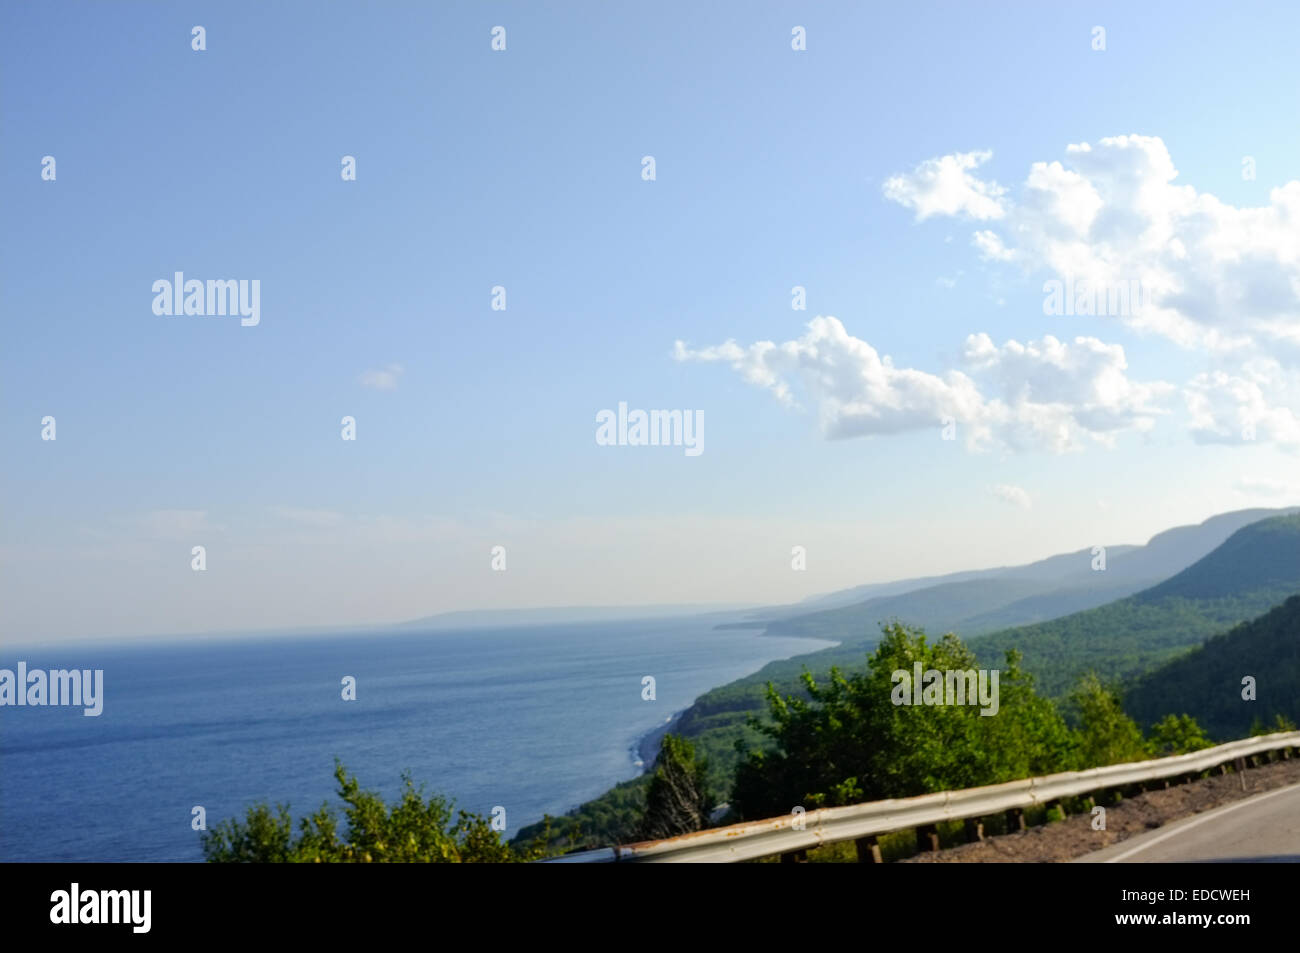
(1177, 734)
(1106, 735)
(848, 741)
(412, 830)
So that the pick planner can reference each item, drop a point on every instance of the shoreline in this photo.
(647, 747)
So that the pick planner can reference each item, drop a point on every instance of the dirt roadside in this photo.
(1065, 840)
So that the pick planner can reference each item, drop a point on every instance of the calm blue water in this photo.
(535, 719)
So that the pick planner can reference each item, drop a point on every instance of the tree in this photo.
(412, 830)
(1106, 735)
(1280, 723)
(1177, 734)
(678, 799)
(851, 739)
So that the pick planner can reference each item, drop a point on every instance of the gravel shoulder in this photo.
(1063, 841)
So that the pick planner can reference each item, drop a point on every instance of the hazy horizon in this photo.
(534, 615)
(853, 281)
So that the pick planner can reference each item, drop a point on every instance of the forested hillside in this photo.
(1207, 682)
(1257, 568)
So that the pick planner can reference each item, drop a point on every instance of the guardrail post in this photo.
(1015, 820)
(974, 830)
(795, 857)
(927, 839)
(868, 850)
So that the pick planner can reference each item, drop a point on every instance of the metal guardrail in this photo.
(790, 833)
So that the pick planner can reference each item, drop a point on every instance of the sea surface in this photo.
(535, 719)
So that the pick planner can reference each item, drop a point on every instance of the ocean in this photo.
(535, 719)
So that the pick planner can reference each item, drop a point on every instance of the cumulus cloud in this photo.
(1044, 394)
(945, 186)
(1085, 380)
(383, 379)
(1014, 495)
(1235, 408)
(1110, 222)
(1212, 275)
(990, 247)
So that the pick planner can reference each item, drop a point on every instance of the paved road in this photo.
(1265, 827)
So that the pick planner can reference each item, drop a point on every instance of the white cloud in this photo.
(306, 517)
(1082, 384)
(857, 390)
(1209, 275)
(1049, 394)
(385, 379)
(1213, 275)
(944, 186)
(990, 247)
(176, 524)
(1015, 495)
(1235, 408)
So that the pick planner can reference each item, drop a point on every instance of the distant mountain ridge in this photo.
(985, 601)
(1256, 568)
(1160, 557)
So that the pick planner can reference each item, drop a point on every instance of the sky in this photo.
(922, 173)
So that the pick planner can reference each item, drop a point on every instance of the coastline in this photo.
(642, 751)
(647, 747)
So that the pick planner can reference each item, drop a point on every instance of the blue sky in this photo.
(523, 168)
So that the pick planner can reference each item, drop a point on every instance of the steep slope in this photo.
(1162, 556)
(876, 590)
(985, 601)
(1049, 605)
(1256, 568)
(935, 608)
(1172, 551)
(1206, 683)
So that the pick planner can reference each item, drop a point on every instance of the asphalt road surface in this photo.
(1262, 828)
